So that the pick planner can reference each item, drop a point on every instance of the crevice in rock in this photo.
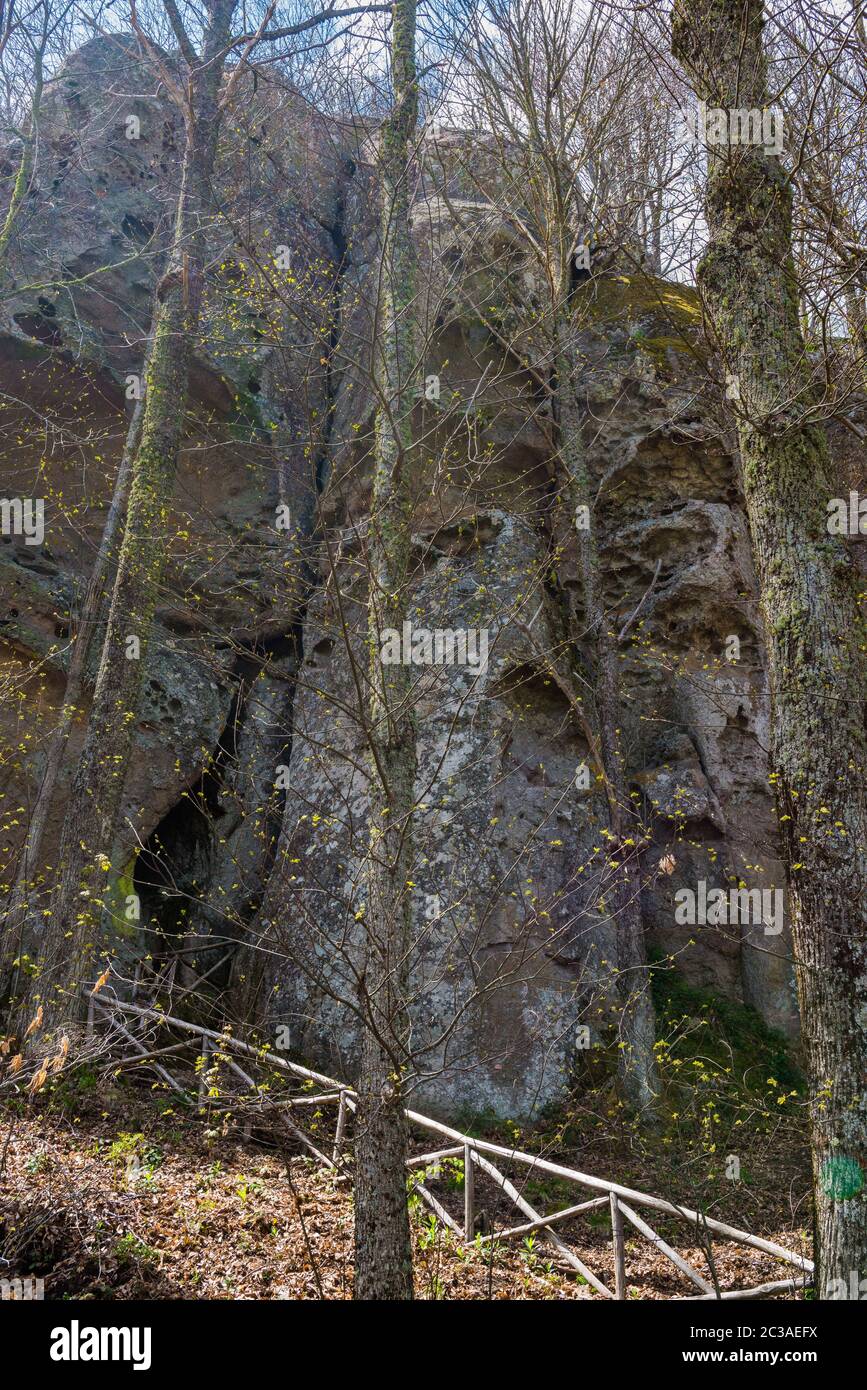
(196, 900)
(183, 873)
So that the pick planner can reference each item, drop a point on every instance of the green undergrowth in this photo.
(730, 1117)
(728, 1033)
(731, 1114)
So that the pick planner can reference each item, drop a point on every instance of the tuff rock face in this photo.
(259, 656)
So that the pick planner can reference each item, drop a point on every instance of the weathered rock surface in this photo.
(259, 656)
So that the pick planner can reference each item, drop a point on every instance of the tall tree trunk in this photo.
(21, 898)
(26, 162)
(89, 828)
(383, 1255)
(637, 1071)
(813, 625)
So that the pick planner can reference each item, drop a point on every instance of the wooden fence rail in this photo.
(477, 1154)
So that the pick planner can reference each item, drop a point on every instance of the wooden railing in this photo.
(478, 1154)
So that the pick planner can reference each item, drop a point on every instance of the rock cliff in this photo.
(253, 678)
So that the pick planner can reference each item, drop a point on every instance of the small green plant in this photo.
(245, 1186)
(452, 1172)
(129, 1247)
(73, 1086)
(135, 1155)
(427, 1236)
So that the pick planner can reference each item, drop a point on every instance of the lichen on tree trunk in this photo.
(383, 1256)
(71, 944)
(26, 163)
(814, 627)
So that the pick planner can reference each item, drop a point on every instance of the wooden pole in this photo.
(341, 1127)
(422, 1160)
(619, 1247)
(469, 1194)
(481, 1146)
(296, 1102)
(665, 1249)
(556, 1217)
(134, 1042)
(762, 1291)
(145, 1057)
(284, 1119)
(438, 1210)
(568, 1255)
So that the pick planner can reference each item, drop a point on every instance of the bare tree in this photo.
(195, 82)
(809, 596)
(383, 1258)
(524, 58)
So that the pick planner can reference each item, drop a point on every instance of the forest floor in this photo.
(111, 1193)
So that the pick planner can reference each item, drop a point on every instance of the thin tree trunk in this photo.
(383, 1254)
(25, 166)
(15, 926)
(91, 821)
(856, 322)
(637, 1071)
(656, 234)
(809, 597)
